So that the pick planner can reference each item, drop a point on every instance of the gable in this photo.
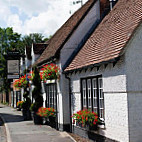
(61, 36)
(109, 39)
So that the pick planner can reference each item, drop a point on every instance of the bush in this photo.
(36, 94)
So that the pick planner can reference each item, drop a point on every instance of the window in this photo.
(51, 95)
(92, 95)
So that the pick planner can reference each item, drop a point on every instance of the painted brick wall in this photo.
(67, 50)
(134, 85)
(115, 96)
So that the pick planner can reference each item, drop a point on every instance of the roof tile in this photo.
(58, 39)
(111, 36)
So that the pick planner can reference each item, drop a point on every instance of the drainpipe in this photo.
(70, 93)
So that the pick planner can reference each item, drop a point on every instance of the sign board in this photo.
(12, 66)
(13, 76)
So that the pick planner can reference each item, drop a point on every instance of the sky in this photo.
(36, 16)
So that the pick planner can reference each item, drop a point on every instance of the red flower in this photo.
(94, 122)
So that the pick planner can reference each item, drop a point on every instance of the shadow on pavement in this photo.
(11, 117)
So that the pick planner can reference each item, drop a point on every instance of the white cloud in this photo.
(48, 22)
(42, 16)
(4, 10)
(15, 22)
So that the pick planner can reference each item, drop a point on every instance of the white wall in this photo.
(66, 51)
(115, 98)
(28, 62)
(34, 56)
(62, 98)
(134, 85)
(80, 32)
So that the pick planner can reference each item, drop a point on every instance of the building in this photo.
(105, 75)
(63, 44)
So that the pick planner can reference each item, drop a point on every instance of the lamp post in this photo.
(78, 1)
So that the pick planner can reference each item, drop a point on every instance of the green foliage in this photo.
(9, 41)
(28, 40)
(27, 101)
(26, 104)
(37, 91)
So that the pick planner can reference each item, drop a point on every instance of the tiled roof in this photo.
(60, 37)
(109, 39)
(38, 48)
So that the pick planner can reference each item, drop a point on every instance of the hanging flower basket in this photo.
(49, 72)
(21, 82)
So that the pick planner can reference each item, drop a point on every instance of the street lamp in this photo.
(78, 1)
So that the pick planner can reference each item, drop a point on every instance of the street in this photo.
(25, 131)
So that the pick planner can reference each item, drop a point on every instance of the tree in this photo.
(36, 94)
(28, 40)
(37, 90)
(9, 41)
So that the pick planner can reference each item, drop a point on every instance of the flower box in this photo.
(86, 119)
(48, 115)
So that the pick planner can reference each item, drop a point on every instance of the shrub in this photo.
(36, 94)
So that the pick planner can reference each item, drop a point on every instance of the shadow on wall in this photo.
(98, 138)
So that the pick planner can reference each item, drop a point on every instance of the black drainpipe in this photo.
(70, 93)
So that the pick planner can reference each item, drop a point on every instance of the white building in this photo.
(63, 44)
(105, 75)
(100, 69)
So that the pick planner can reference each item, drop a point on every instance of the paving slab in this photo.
(2, 132)
(19, 130)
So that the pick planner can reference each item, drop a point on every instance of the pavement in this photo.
(18, 130)
(2, 132)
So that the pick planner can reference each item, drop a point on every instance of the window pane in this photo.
(94, 86)
(51, 95)
(95, 104)
(89, 92)
(84, 93)
(101, 98)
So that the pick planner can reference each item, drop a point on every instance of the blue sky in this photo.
(35, 16)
